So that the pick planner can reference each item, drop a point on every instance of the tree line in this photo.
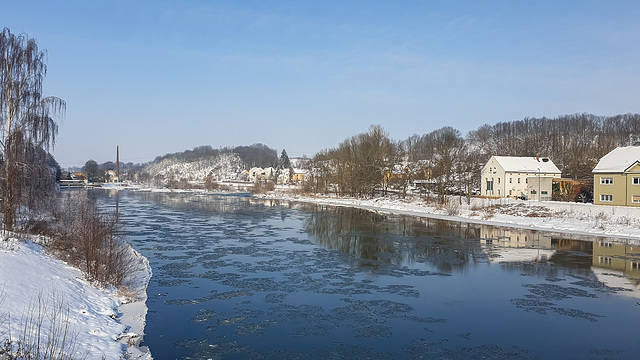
(444, 162)
(98, 172)
(255, 155)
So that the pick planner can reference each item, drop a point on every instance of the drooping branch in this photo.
(27, 122)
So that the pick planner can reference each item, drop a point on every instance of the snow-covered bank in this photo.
(102, 322)
(562, 217)
(133, 309)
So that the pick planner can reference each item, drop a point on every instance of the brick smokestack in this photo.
(118, 162)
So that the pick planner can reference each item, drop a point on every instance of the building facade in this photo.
(616, 178)
(518, 177)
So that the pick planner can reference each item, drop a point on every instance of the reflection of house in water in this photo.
(624, 259)
(512, 245)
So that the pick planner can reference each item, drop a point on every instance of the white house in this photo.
(260, 174)
(518, 177)
(257, 174)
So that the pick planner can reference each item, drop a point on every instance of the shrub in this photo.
(453, 207)
(93, 242)
(263, 187)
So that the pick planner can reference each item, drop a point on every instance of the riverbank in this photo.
(562, 217)
(36, 288)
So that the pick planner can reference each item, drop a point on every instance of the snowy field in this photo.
(41, 294)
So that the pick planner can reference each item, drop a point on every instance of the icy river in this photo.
(239, 278)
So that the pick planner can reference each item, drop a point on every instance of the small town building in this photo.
(79, 176)
(518, 177)
(616, 178)
(111, 176)
(299, 175)
(257, 174)
(292, 176)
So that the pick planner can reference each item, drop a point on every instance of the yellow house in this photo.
(616, 178)
(299, 175)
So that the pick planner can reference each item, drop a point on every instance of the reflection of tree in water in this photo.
(576, 254)
(208, 203)
(352, 231)
(394, 239)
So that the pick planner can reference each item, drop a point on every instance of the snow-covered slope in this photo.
(36, 287)
(225, 166)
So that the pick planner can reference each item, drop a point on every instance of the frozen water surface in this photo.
(239, 278)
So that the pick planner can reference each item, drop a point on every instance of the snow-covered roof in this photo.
(522, 254)
(617, 280)
(618, 160)
(527, 164)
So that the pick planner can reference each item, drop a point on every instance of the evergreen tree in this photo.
(284, 160)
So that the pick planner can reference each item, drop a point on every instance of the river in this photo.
(240, 278)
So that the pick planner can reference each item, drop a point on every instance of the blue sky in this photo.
(163, 76)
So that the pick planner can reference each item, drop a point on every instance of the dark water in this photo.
(239, 278)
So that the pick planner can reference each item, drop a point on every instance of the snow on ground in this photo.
(564, 217)
(27, 274)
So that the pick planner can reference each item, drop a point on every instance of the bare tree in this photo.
(357, 166)
(447, 149)
(26, 116)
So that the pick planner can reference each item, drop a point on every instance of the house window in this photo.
(518, 180)
(498, 180)
(544, 192)
(605, 260)
(489, 185)
(605, 244)
(635, 198)
(606, 198)
(636, 180)
(635, 265)
(510, 180)
(606, 180)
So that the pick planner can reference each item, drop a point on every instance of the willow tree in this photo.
(27, 124)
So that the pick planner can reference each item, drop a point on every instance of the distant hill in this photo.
(205, 162)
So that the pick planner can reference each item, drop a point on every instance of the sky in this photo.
(157, 77)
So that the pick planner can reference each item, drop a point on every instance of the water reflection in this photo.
(623, 258)
(618, 266)
(503, 245)
(383, 237)
(236, 277)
